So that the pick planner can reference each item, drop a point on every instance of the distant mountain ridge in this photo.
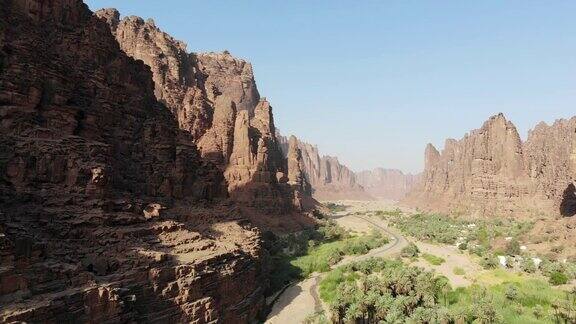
(331, 180)
(387, 183)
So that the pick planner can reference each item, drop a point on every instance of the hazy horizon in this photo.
(373, 82)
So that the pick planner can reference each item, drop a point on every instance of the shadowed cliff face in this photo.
(108, 212)
(214, 97)
(491, 172)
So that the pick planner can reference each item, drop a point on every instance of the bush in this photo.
(527, 265)
(459, 271)
(538, 311)
(558, 278)
(489, 261)
(463, 246)
(511, 292)
(513, 248)
(410, 251)
(334, 256)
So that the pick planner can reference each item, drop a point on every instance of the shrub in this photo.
(463, 246)
(334, 256)
(511, 292)
(410, 251)
(489, 261)
(513, 248)
(558, 278)
(459, 271)
(538, 311)
(527, 265)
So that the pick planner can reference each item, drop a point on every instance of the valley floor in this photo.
(302, 299)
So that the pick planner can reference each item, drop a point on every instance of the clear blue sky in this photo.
(373, 81)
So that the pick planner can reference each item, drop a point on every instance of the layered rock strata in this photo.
(108, 212)
(214, 97)
(383, 183)
(492, 172)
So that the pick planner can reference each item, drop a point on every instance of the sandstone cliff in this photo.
(214, 97)
(491, 172)
(328, 179)
(386, 183)
(108, 212)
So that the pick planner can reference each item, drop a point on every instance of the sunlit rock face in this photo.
(108, 211)
(492, 172)
(214, 97)
(328, 178)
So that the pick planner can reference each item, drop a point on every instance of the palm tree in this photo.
(383, 306)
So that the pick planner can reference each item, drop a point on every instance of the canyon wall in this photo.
(214, 97)
(129, 191)
(492, 172)
(328, 179)
(383, 183)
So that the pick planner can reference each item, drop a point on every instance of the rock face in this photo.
(329, 180)
(108, 212)
(491, 172)
(214, 97)
(550, 161)
(386, 183)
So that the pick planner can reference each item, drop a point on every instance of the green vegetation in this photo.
(320, 258)
(382, 290)
(296, 256)
(458, 271)
(443, 229)
(525, 301)
(432, 259)
(558, 278)
(410, 251)
(335, 208)
(389, 213)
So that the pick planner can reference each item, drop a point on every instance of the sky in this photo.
(372, 82)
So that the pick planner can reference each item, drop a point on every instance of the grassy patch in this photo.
(320, 258)
(499, 276)
(458, 271)
(530, 302)
(432, 259)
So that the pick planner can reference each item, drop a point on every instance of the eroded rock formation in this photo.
(329, 180)
(214, 97)
(108, 212)
(491, 172)
(386, 183)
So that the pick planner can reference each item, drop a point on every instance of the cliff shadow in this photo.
(568, 204)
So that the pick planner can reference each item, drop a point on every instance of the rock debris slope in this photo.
(108, 211)
(492, 172)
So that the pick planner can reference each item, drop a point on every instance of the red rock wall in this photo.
(492, 172)
(108, 213)
(328, 179)
(214, 97)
